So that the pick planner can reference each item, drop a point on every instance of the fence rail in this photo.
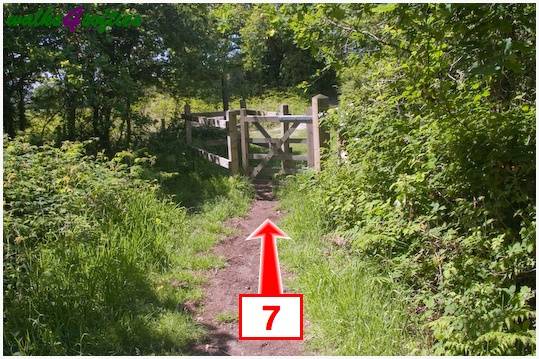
(212, 157)
(218, 121)
(266, 141)
(283, 156)
(279, 118)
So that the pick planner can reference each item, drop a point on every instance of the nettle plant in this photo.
(79, 233)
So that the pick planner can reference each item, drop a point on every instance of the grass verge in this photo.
(352, 308)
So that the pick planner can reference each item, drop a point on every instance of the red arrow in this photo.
(269, 281)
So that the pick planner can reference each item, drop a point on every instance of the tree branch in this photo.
(349, 29)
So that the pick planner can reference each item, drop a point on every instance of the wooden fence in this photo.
(237, 125)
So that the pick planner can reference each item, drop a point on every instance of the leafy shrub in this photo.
(438, 125)
(350, 302)
(443, 196)
(80, 237)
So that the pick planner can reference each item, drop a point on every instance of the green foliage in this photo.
(350, 303)
(93, 254)
(226, 317)
(97, 76)
(272, 99)
(261, 53)
(438, 124)
(158, 105)
(436, 117)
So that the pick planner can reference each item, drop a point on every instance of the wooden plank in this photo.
(257, 141)
(215, 118)
(283, 109)
(262, 130)
(212, 157)
(320, 137)
(208, 114)
(280, 156)
(244, 134)
(310, 150)
(264, 145)
(233, 139)
(279, 118)
(219, 122)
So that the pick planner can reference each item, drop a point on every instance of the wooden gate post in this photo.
(188, 128)
(310, 147)
(244, 127)
(283, 110)
(320, 103)
(232, 143)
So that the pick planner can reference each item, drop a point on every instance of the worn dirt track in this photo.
(240, 275)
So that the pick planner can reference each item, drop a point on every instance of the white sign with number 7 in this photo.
(271, 317)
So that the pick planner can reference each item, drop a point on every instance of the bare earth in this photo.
(240, 276)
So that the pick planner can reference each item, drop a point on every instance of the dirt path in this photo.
(240, 276)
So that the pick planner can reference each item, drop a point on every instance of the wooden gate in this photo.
(278, 146)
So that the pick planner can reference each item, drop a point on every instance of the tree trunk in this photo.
(9, 113)
(95, 120)
(224, 92)
(105, 130)
(128, 123)
(21, 106)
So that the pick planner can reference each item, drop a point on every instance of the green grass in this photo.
(268, 101)
(352, 308)
(272, 99)
(226, 317)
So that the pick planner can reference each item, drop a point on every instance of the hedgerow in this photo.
(79, 236)
(444, 196)
(436, 118)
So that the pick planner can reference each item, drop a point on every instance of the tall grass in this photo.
(352, 308)
(97, 261)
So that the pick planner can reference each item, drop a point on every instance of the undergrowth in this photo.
(351, 305)
(442, 195)
(98, 259)
(269, 100)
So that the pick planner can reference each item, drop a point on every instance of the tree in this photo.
(27, 53)
(106, 69)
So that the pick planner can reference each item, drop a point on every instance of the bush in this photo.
(443, 193)
(80, 238)
(352, 307)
